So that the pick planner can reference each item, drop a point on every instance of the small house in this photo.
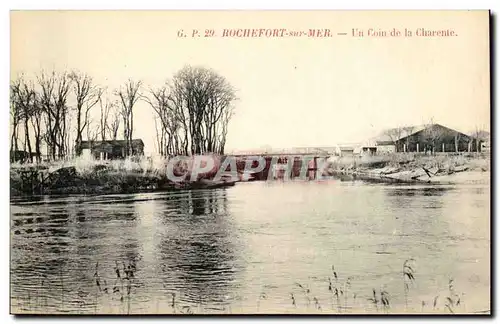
(110, 150)
(345, 150)
(23, 156)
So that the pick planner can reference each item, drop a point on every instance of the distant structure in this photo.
(433, 138)
(484, 138)
(346, 150)
(22, 156)
(110, 150)
(422, 138)
(269, 151)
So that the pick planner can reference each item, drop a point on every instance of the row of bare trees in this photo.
(42, 108)
(192, 112)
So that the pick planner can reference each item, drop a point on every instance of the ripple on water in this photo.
(244, 249)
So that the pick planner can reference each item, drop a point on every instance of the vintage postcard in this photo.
(250, 162)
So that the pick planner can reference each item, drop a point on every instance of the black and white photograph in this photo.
(250, 162)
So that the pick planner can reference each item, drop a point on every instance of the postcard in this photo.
(250, 162)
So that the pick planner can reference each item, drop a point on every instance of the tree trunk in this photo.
(13, 143)
(28, 142)
(131, 130)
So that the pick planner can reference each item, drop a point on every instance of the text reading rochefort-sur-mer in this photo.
(314, 32)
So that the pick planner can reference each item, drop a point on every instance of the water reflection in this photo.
(199, 257)
(67, 240)
(213, 247)
(410, 191)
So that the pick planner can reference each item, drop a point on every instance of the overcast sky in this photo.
(292, 91)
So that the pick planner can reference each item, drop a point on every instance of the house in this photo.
(425, 138)
(23, 156)
(110, 150)
(345, 150)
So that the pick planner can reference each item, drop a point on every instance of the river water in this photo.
(259, 247)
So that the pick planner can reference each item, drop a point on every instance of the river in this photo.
(258, 247)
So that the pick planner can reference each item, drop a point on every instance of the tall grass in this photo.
(408, 278)
(301, 299)
(154, 165)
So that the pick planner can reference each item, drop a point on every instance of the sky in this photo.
(293, 91)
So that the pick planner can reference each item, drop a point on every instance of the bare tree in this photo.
(36, 122)
(105, 108)
(23, 98)
(226, 117)
(477, 135)
(15, 113)
(53, 100)
(87, 96)
(457, 141)
(432, 133)
(128, 96)
(167, 134)
(114, 124)
(160, 137)
(60, 113)
(395, 134)
(201, 101)
(407, 132)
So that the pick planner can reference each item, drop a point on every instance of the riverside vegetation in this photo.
(415, 168)
(139, 174)
(89, 176)
(119, 284)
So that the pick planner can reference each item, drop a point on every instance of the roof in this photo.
(346, 148)
(111, 143)
(391, 135)
(483, 135)
(394, 134)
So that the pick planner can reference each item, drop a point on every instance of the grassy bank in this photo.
(87, 176)
(139, 174)
(411, 167)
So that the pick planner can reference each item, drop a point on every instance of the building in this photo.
(484, 138)
(23, 156)
(425, 138)
(345, 150)
(110, 150)
(368, 150)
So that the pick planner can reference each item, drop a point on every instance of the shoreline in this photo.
(414, 168)
(116, 177)
(458, 178)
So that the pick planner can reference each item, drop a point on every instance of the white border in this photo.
(176, 5)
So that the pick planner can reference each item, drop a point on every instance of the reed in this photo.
(262, 296)
(294, 302)
(453, 300)
(340, 290)
(408, 278)
(305, 291)
(374, 299)
(385, 300)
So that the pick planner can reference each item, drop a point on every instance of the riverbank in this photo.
(132, 175)
(414, 168)
(80, 176)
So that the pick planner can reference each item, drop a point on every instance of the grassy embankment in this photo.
(415, 168)
(84, 176)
